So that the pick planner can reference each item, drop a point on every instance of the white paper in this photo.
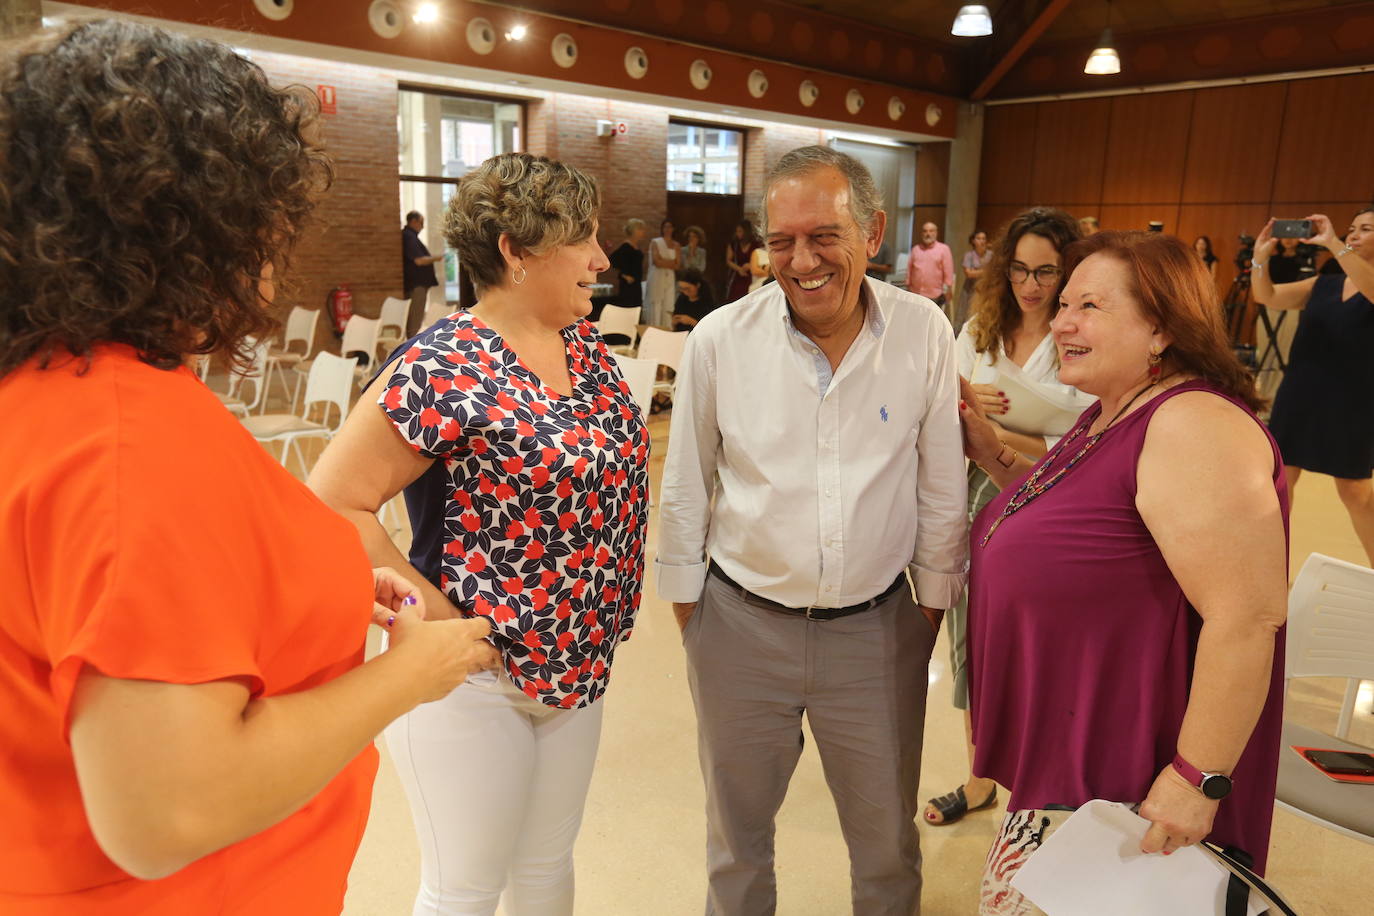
(1093, 865)
(1034, 411)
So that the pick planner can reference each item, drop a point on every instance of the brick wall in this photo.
(763, 147)
(632, 167)
(354, 237)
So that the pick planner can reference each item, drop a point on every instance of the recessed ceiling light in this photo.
(426, 13)
(517, 33)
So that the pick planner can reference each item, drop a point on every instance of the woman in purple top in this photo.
(1127, 591)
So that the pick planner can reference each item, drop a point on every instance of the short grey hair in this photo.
(632, 224)
(539, 203)
(864, 199)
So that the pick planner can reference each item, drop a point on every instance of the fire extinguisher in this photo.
(339, 305)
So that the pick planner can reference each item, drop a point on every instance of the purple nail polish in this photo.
(409, 599)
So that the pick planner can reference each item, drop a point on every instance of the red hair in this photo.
(1176, 295)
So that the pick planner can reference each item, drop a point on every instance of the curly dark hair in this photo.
(147, 183)
(994, 313)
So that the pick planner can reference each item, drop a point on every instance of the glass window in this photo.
(705, 159)
(442, 137)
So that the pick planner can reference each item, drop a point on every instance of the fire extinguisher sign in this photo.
(329, 99)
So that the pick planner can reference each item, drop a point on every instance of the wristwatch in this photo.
(1215, 786)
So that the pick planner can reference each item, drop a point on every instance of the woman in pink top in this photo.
(1127, 591)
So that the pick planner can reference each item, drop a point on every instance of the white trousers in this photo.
(497, 783)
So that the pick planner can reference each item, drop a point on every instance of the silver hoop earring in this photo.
(518, 278)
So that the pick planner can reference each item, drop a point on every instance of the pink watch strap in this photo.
(1188, 771)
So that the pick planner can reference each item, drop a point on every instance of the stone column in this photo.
(20, 17)
(965, 161)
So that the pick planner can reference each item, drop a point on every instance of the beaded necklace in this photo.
(1033, 488)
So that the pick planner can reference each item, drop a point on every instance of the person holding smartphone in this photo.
(1323, 416)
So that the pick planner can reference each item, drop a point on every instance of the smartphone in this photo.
(1292, 229)
(1346, 763)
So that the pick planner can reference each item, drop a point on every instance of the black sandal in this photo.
(954, 806)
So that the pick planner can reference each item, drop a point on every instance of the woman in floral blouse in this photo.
(524, 460)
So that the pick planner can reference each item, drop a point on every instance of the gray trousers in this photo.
(861, 681)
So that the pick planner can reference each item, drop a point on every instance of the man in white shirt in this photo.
(815, 458)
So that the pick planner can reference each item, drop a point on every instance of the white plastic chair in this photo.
(393, 315)
(619, 319)
(330, 382)
(360, 336)
(300, 329)
(1330, 634)
(639, 375)
(664, 348)
(256, 373)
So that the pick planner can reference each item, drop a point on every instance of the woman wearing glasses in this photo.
(1008, 337)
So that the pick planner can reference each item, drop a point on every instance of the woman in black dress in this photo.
(628, 261)
(694, 299)
(1323, 415)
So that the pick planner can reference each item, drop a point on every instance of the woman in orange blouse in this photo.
(188, 724)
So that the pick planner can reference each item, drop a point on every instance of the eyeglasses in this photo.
(1045, 276)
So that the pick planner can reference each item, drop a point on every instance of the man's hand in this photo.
(683, 611)
(933, 616)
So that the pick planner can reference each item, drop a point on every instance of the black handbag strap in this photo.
(1243, 881)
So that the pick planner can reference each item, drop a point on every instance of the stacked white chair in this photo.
(639, 375)
(665, 349)
(393, 316)
(256, 373)
(360, 336)
(330, 382)
(1330, 635)
(619, 319)
(300, 329)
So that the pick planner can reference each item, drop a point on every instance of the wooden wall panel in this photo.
(1233, 143)
(1137, 216)
(993, 218)
(932, 174)
(1326, 140)
(1147, 147)
(1008, 138)
(1070, 138)
(1222, 223)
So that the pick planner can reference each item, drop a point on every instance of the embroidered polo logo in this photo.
(882, 412)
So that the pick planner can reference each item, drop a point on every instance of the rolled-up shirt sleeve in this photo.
(689, 474)
(939, 564)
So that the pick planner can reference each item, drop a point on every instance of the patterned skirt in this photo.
(1021, 835)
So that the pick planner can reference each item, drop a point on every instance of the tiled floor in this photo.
(641, 848)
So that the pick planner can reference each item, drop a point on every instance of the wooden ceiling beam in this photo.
(1028, 37)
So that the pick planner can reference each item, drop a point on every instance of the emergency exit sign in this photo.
(329, 99)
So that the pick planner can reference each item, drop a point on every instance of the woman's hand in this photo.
(991, 400)
(1324, 234)
(1265, 243)
(1179, 814)
(441, 653)
(392, 591)
(981, 442)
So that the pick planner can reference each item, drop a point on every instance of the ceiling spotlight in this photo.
(426, 13)
(1104, 58)
(972, 21)
(517, 33)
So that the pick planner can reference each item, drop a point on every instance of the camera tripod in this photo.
(1270, 365)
